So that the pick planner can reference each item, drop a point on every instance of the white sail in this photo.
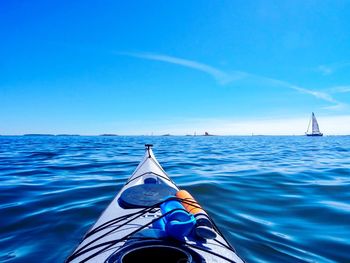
(315, 130)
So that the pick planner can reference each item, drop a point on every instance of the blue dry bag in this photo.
(178, 223)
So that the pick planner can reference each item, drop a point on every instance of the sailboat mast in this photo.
(309, 124)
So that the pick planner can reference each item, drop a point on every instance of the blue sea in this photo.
(276, 199)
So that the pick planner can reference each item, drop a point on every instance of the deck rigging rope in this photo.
(108, 244)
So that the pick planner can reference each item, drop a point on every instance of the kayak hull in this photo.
(127, 229)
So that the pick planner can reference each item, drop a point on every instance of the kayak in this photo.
(152, 220)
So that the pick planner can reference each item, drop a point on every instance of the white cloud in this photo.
(317, 94)
(221, 76)
(225, 78)
(325, 70)
(340, 89)
(331, 68)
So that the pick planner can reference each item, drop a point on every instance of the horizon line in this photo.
(154, 135)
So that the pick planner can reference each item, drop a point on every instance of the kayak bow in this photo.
(152, 220)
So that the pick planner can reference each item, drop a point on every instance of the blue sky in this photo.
(143, 67)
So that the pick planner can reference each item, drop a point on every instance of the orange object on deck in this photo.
(204, 227)
(191, 206)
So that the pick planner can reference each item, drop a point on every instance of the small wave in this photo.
(278, 199)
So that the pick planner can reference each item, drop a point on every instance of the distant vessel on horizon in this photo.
(315, 131)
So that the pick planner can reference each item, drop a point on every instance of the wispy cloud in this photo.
(340, 89)
(224, 77)
(317, 94)
(221, 76)
(325, 70)
(337, 105)
(331, 68)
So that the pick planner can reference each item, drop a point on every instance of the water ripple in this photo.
(277, 199)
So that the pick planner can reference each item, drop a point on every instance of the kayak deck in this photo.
(136, 226)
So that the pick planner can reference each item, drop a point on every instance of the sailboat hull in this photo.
(315, 135)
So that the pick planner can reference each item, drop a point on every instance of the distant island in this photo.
(67, 135)
(45, 135)
(38, 134)
(108, 134)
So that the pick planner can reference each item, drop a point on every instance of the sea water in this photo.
(276, 199)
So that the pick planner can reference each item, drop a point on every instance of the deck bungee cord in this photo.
(110, 223)
(152, 220)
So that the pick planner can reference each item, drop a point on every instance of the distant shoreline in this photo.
(163, 135)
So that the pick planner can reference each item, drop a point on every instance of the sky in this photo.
(181, 67)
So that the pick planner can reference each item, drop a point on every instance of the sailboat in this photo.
(315, 129)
